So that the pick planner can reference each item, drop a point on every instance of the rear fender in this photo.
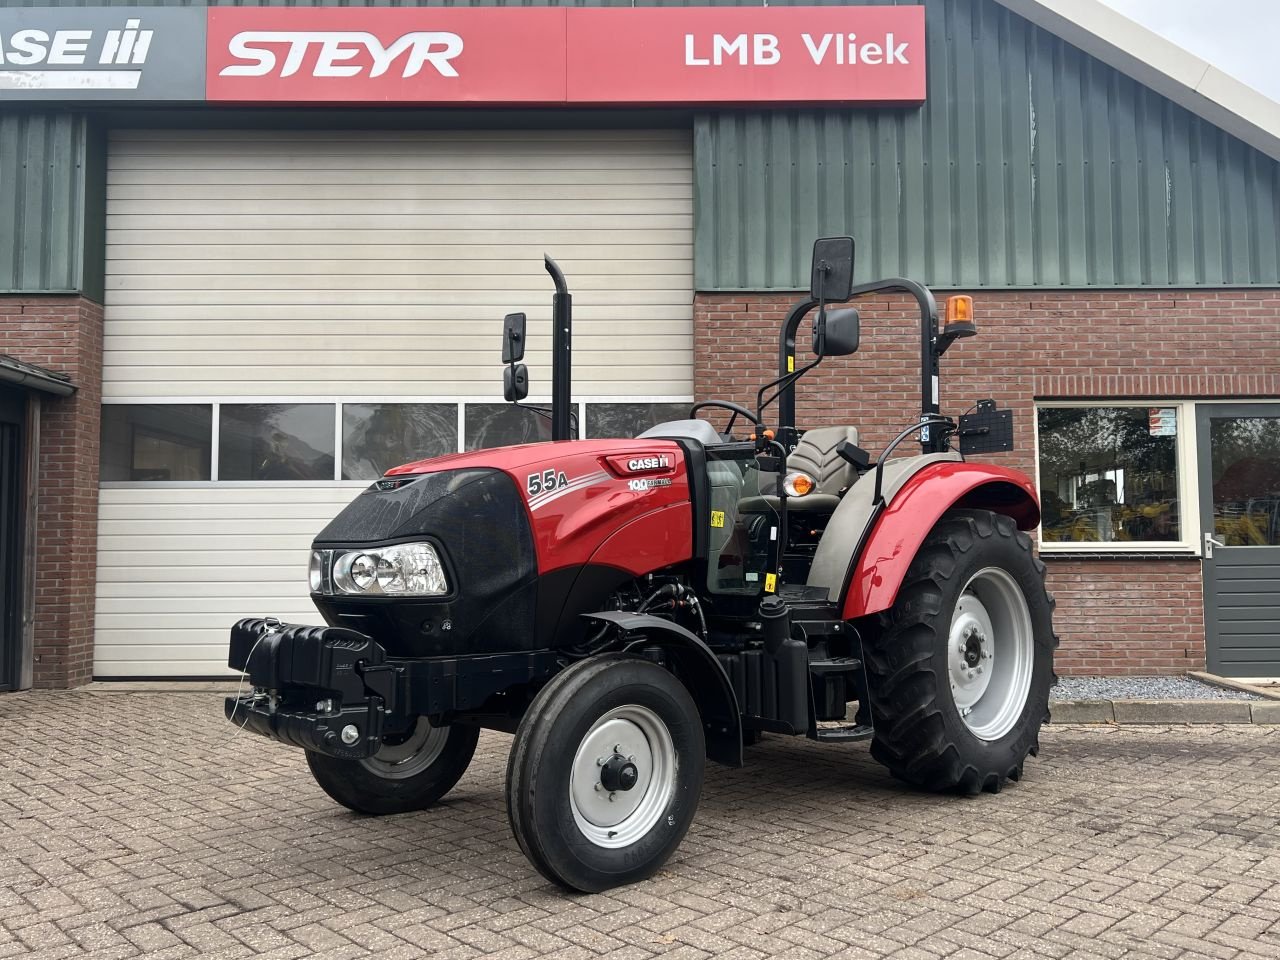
(697, 666)
(902, 526)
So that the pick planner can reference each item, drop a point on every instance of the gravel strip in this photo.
(1142, 688)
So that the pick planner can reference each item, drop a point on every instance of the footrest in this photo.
(834, 665)
(846, 734)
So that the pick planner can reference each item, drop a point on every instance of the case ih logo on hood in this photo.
(340, 53)
(34, 59)
(645, 464)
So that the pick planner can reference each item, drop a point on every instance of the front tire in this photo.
(408, 773)
(605, 773)
(960, 668)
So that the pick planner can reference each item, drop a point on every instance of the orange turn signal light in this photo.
(959, 309)
(798, 484)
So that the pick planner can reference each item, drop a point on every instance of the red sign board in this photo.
(400, 55)
(567, 56)
(742, 55)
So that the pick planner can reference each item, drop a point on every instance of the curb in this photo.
(1165, 711)
(157, 686)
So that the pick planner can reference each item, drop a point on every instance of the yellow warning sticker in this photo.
(770, 582)
(791, 364)
(717, 518)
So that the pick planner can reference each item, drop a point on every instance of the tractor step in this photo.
(845, 734)
(834, 665)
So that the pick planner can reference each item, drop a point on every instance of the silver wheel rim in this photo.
(619, 818)
(990, 651)
(418, 751)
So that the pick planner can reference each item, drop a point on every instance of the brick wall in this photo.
(1113, 616)
(63, 334)
(1127, 616)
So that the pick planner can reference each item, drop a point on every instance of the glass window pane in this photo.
(1245, 457)
(379, 436)
(502, 424)
(275, 441)
(628, 419)
(1109, 474)
(156, 441)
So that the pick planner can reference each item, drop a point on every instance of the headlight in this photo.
(403, 570)
(315, 572)
(797, 484)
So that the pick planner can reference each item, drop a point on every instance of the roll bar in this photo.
(932, 346)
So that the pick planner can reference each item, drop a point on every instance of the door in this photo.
(1240, 524)
(12, 416)
(273, 267)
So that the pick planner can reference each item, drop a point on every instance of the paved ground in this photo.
(136, 825)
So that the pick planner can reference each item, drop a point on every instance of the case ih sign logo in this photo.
(116, 53)
(434, 55)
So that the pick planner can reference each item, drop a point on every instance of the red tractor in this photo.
(630, 608)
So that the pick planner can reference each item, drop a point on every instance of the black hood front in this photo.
(477, 519)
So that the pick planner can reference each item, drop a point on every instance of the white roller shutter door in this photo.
(248, 266)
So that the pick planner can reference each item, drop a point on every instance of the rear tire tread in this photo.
(906, 690)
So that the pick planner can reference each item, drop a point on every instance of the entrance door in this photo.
(12, 415)
(1240, 523)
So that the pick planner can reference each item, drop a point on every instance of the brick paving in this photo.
(137, 825)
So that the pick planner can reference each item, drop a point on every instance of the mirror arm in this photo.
(786, 358)
(788, 381)
(548, 413)
(820, 323)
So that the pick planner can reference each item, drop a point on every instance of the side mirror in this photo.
(841, 338)
(515, 382)
(513, 337)
(831, 279)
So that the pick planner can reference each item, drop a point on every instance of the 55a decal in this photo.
(545, 482)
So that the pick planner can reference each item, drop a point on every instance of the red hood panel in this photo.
(593, 501)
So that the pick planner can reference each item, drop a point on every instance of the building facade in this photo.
(262, 303)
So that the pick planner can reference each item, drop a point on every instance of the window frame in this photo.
(215, 403)
(1185, 462)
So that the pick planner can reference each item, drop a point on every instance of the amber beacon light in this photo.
(959, 316)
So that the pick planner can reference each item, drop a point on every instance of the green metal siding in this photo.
(42, 202)
(1030, 164)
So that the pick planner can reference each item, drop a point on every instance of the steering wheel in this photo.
(733, 408)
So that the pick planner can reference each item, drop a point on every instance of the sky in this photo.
(1238, 37)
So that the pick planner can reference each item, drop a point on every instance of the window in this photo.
(1113, 474)
(379, 436)
(1244, 463)
(156, 441)
(630, 419)
(230, 441)
(501, 424)
(275, 441)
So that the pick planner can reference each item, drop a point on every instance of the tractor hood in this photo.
(510, 458)
(509, 523)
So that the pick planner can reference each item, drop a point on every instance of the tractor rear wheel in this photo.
(605, 773)
(960, 668)
(410, 772)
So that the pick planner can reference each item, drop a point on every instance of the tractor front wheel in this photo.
(605, 773)
(409, 772)
(960, 668)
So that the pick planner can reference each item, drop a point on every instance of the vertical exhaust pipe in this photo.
(561, 353)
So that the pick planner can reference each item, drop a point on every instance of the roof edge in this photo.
(15, 371)
(1156, 62)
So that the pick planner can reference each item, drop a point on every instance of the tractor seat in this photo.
(816, 456)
